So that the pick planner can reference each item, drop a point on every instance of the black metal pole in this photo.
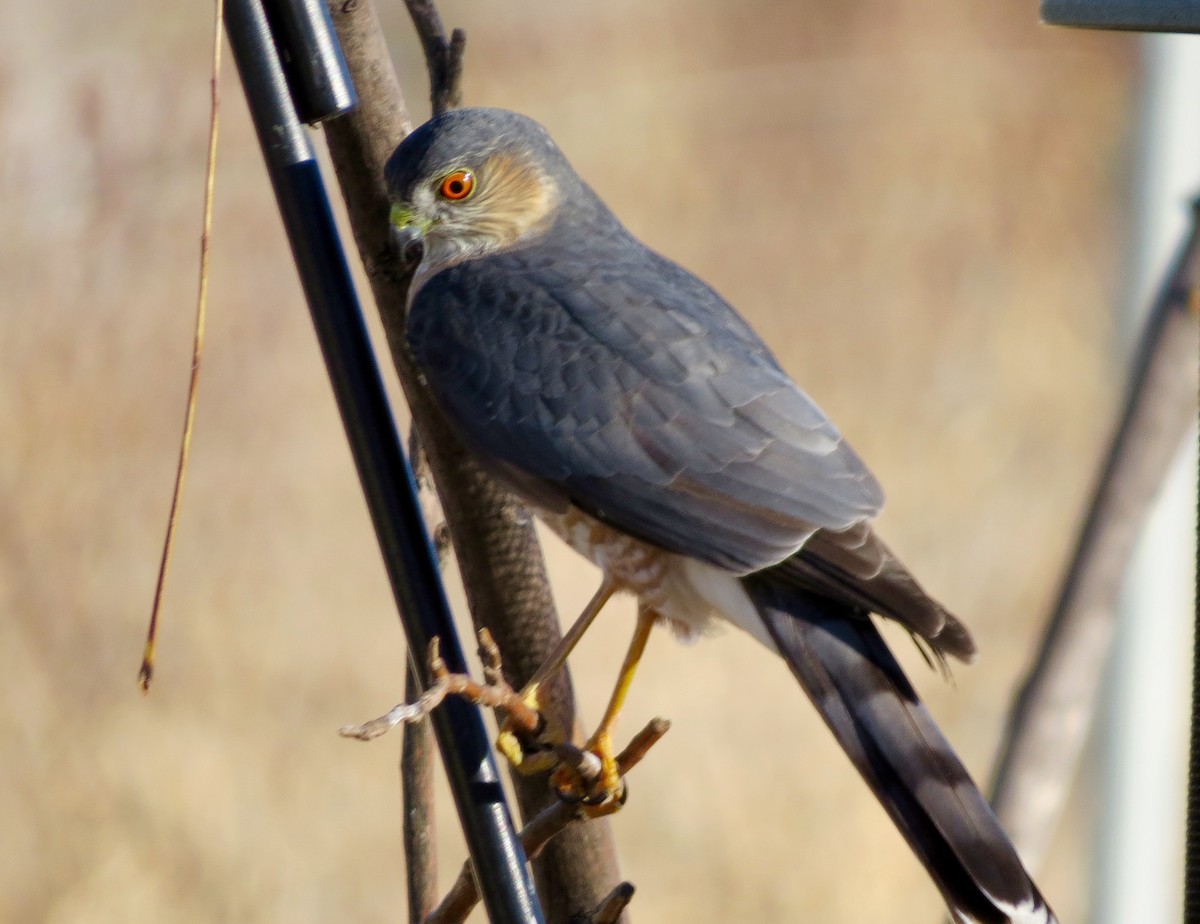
(317, 77)
(1125, 15)
(499, 860)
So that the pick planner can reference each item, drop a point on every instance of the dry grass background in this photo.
(918, 204)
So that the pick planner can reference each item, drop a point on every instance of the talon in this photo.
(616, 797)
(529, 753)
(592, 780)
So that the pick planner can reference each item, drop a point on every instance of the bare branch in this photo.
(498, 695)
(442, 58)
(611, 909)
(416, 785)
(1053, 712)
(427, 496)
(587, 766)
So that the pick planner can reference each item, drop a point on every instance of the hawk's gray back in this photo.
(615, 380)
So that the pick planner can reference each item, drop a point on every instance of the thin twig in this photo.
(1051, 716)
(416, 786)
(417, 753)
(548, 824)
(431, 505)
(496, 695)
(611, 909)
(442, 58)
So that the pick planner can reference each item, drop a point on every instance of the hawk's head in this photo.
(474, 182)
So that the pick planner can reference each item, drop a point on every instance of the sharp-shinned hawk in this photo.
(649, 426)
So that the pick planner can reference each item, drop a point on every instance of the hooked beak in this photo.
(408, 237)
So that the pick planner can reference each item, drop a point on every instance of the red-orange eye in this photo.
(457, 185)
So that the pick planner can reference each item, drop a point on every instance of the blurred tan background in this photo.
(919, 205)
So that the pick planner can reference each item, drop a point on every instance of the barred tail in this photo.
(846, 669)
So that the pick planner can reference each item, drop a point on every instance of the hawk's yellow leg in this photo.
(563, 649)
(507, 742)
(609, 783)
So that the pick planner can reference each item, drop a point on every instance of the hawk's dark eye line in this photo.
(457, 185)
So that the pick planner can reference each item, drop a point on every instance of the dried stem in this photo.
(146, 671)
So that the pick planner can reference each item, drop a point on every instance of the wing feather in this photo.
(633, 390)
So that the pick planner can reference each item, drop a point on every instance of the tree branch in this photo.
(1052, 714)
(443, 58)
(495, 693)
(497, 549)
(417, 750)
(416, 787)
(610, 910)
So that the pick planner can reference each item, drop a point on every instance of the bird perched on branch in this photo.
(649, 426)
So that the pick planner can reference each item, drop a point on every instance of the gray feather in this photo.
(879, 721)
(856, 568)
(640, 395)
(586, 370)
